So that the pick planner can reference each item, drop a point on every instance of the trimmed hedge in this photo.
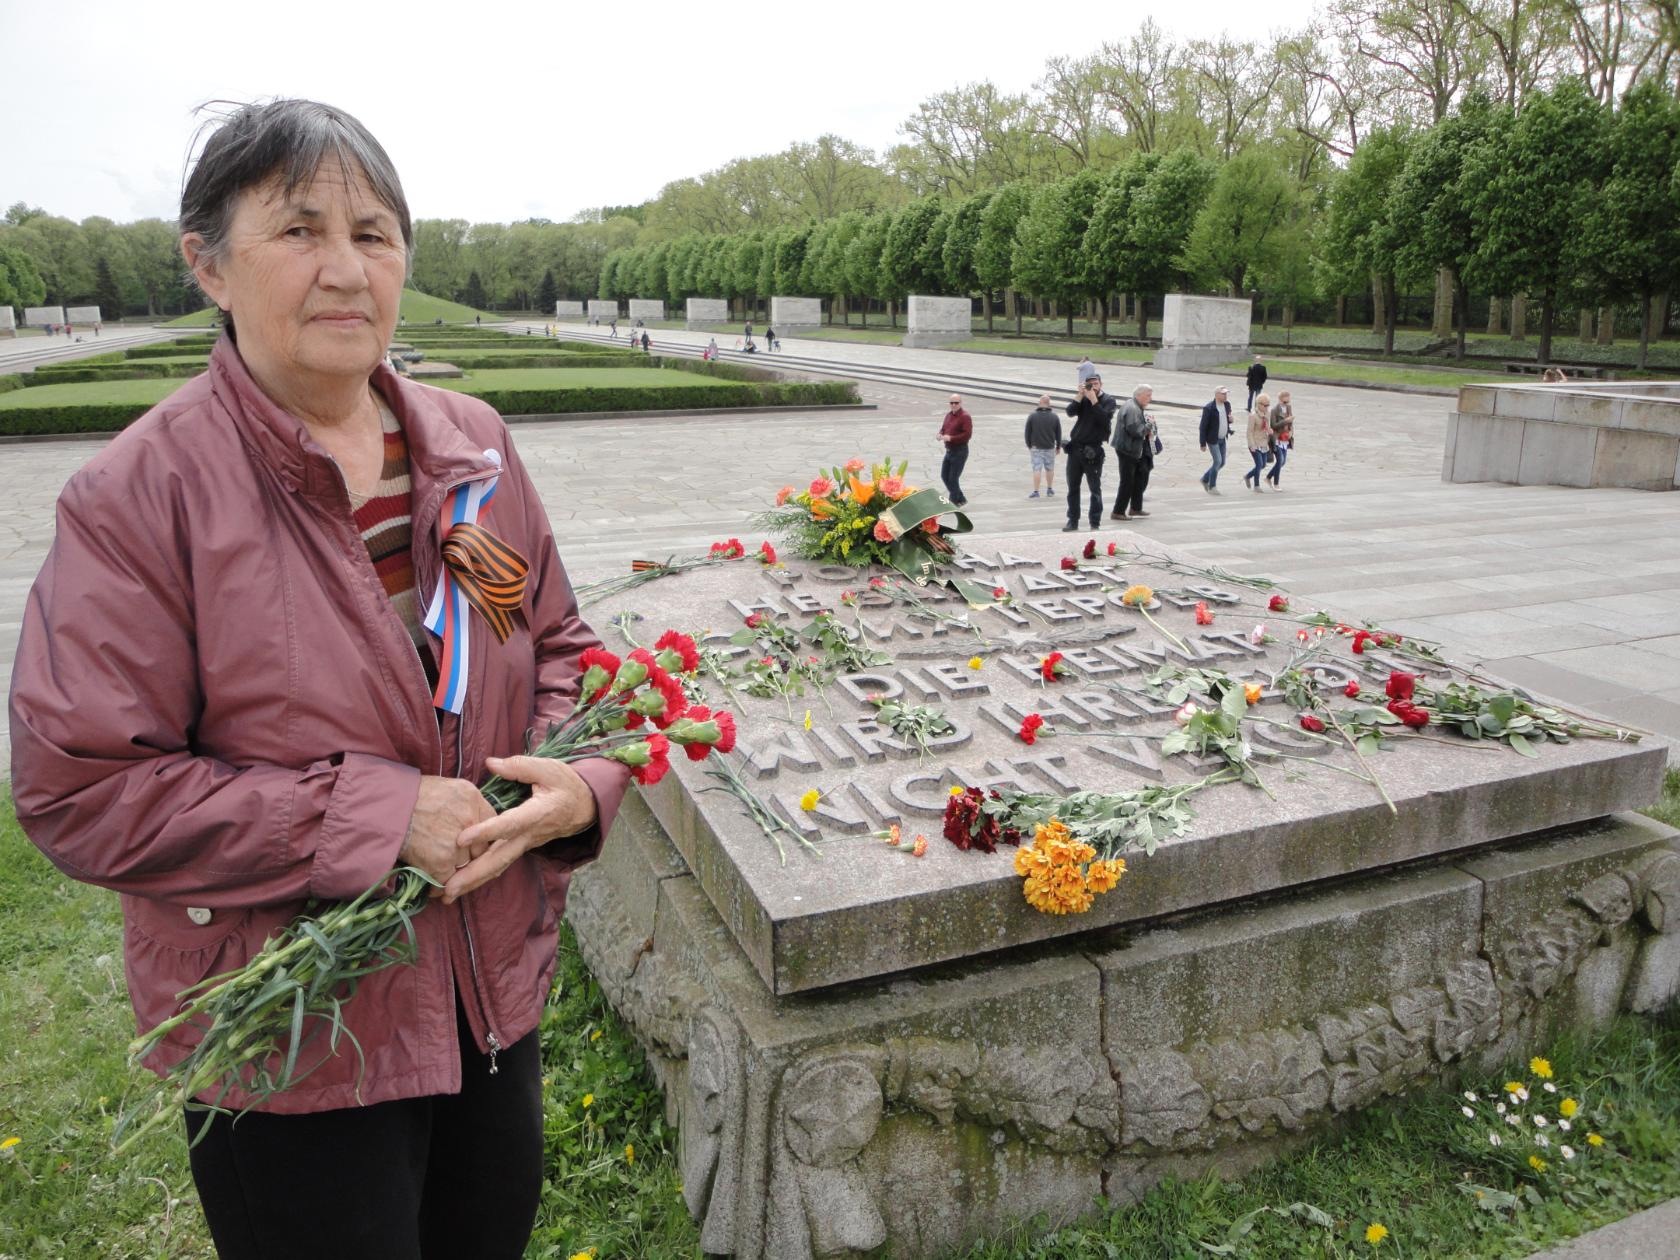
(11, 381)
(67, 374)
(86, 418)
(542, 402)
(492, 362)
(167, 349)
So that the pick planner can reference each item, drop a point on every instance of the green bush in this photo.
(67, 373)
(11, 381)
(538, 360)
(542, 402)
(166, 349)
(67, 418)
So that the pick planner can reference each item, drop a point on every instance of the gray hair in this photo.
(289, 140)
(1143, 389)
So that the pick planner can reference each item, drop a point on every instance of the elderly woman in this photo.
(225, 703)
(1259, 438)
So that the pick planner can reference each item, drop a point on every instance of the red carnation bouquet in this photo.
(255, 1021)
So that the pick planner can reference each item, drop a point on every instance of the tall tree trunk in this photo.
(1519, 317)
(1445, 289)
(1391, 303)
(892, 312)
(1646, 310)
(1104, 328)
(1341, 309)
(986, 297)
(1659, 323)
(1493, 317)
(1143, 314)
(1548, 318)
(1606, 325)
(1379, 307)
(1014, 300)
(1462, 310)
(1583, 327)
(1070, 319)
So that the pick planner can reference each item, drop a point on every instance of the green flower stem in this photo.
(1351, 743)
(1176, 641)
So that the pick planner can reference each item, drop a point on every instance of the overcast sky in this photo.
(504, 111)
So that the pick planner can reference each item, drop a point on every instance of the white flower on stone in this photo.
(1469, 1095)
(1549, 1087)
(1565, 1125)
(1539, 1122)
(1257, 636)
(1568, 1152)
(1185, 713)
(1495, 1140)
(1470, 1113)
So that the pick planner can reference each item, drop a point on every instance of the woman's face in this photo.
(314, 280)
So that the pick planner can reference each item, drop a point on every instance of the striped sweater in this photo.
(384, 520)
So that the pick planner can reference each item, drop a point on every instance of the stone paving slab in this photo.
(1653, 1234)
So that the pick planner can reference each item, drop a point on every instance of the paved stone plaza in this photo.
(1573, 593)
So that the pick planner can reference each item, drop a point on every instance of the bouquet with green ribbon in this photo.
(860, 514)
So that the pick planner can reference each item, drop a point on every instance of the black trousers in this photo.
(440, 1178)
(1134, 480)
(950, 472)
(1079, 469)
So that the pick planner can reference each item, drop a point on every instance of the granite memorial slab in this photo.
(824, 918)
(603, 310)
(8, 320)
(824, 1019)
(936, 321)
(645, 309)
(1201, 332)
(795, 312)
(83, 315)
(1573, 433)
(41, 316)
(564, 309)
(702, 311)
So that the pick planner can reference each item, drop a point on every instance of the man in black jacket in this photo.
(1256, 380)
(1216, 427)
(1093, 417)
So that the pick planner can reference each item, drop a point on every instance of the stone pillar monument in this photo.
(86, 316)
(41, 316)
(8, 321)
(646, 309)
(1200, 332)
(603, 309)
(703, 311)
(938, 321)
(568, 310)
(795, 312)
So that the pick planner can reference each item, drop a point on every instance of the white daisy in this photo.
(1568, 1152)
(1469, 1113)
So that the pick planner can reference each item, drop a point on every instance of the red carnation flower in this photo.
(999, 592)
(1278, 604)
(877, 582)
(726, 730)
(1351, 691)
(659, 766)
(1030, 727)
(1090, 548)
(766, 552)
(1312, 722)
(1401, 685)
(1113, 549)
(1203, 616)
(1051, 667)
(968, 826)
(1069, 564)
(678, 642)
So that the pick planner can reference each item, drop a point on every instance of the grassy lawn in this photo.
(1411, 1165)
(485, 380)
(84, 392)
(417, 308)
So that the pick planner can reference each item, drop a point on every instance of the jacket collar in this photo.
(438, 451)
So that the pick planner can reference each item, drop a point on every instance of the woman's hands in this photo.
(561, 804)
(437, 840)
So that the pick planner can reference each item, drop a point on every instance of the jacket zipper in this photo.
(423, 598)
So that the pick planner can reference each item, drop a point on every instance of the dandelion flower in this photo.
(596, 1035)
(956, 789)
(7, 1145)
(629, 1153)
(974, 662)
(1375, 1232)
(1568, 1107)
(589, 1100)
(588, 1253)
(1536, 1163)
(1568, 1152)
(1594, 1140)
(808, 802)
(1513, 1087)
(1541, 1068)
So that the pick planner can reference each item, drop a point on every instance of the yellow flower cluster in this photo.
(1062, 874)
(1137, 596)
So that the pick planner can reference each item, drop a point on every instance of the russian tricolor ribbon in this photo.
(479, 572)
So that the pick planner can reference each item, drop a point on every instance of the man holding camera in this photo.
(1093, 416)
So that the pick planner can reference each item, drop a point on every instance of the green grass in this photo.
(484, 381)
(87, 393)
(209, 317)
(1283, 370)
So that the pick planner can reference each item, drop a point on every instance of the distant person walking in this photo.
(770, 342)
(1256, 380)
(615, 328)
(1259, 438)
(954, 433)
(1215, 431)
(1093, 418)
(1044, 439)
(1134, 443)
(749, 330)
(647, 343)
(478, 321)
(1283, 436)
(712, 350)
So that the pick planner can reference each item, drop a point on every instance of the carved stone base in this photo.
(921, 1113)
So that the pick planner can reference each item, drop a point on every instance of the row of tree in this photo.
(119, 267)
(1567, 200)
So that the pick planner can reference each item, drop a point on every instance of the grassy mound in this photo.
(417, 308)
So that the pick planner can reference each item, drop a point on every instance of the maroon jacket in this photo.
(216, 709)
(960, 425)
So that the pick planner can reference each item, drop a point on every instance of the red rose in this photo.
(1401, 685)
(1051, 667)
(1029, 728)
(1409, 713)
(1351, 691)
(1278, 604)
(999, 592)
(1312, 722)
(1069, 564)
(1090, 548)
(755, 620)
(678, 642)
(1113, 549)
(766, 552)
